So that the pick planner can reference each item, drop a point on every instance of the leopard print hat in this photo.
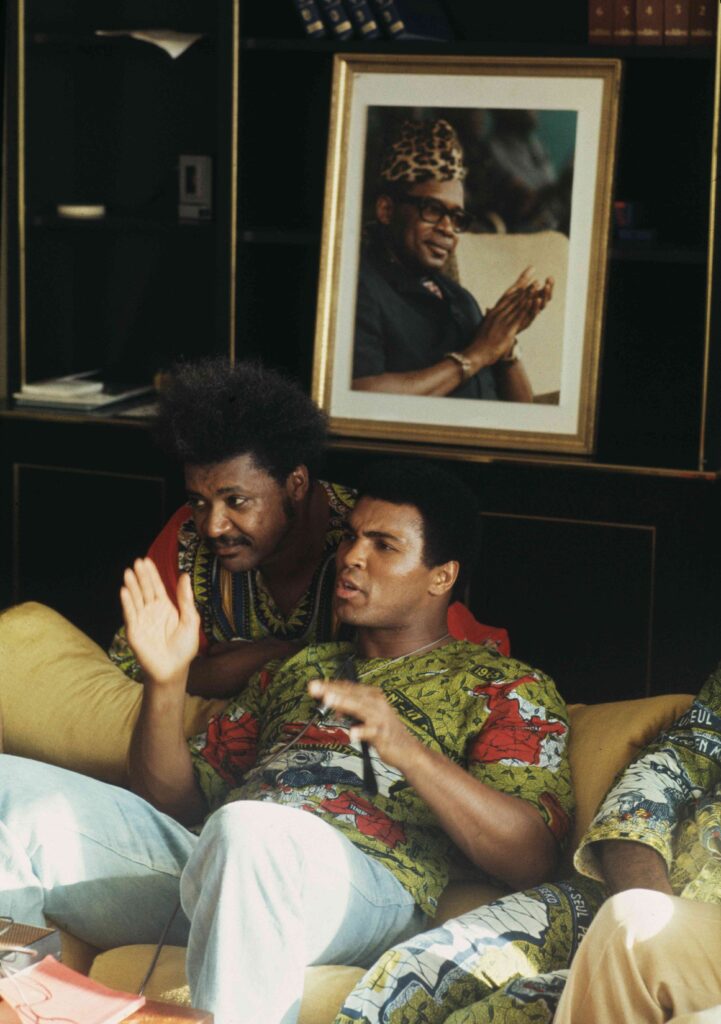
(425, 151)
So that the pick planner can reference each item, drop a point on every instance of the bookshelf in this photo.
(103, 121)
(641, 617)
(100, 122)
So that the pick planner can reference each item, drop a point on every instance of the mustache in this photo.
(229, 542)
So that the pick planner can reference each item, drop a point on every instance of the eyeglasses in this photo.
(432, 211)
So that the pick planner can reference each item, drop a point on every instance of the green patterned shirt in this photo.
(493, 715)
(669, 798)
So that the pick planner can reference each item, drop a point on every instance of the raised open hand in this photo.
(163, 637)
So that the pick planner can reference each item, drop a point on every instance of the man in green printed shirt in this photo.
(333, 823)
(653, 952)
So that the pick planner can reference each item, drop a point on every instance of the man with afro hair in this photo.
(260, 530)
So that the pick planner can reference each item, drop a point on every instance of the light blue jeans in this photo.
(265, 890)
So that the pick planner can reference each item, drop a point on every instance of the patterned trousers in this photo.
(505, 962)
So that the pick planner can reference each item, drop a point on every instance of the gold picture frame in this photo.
(577, 99)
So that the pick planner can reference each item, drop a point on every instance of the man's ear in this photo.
(443, 578)
(297, 483)
(384, 209)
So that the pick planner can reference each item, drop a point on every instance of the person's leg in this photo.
(522, 1001)
(462, 963)
(646, 958)
(98, 860)
(270, 890)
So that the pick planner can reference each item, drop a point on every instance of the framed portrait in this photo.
(464, 252)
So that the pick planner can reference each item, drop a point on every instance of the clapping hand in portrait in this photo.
(514, 311)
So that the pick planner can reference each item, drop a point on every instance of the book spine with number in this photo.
(600, 22)
(363, 19)
(309, 15)
(624, 22)
(703, 15)
(412, 19)
(676, 22)
(336, 18)
(649, 22)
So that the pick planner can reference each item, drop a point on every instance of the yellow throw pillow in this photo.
(64, 702)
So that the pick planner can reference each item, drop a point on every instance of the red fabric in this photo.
(464, 626)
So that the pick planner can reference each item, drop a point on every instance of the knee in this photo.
(246, 829)
(635, 916)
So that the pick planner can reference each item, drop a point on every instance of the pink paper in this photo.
(49, 989)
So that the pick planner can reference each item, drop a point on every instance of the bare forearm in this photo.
(439, 379)
(502, 834)
(629, 865)
(442, 378)
(159, 766)
(512, 382)
(225, 671)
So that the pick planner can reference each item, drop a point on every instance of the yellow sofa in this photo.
(63, 702)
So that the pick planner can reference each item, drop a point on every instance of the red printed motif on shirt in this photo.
(231, 745)
(511, 732)
(367, 819)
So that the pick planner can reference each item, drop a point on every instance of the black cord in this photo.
(370, 784)
(158, 948)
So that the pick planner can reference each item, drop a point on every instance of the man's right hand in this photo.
(515, 310)
(164, 638)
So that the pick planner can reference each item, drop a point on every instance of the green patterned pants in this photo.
(505, 962)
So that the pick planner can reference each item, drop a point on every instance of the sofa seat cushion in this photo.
(64, 702)
(325, 986)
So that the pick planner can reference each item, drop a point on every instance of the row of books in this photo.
(373, 19)
(652, 22)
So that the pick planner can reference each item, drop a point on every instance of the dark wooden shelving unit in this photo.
(605, 568)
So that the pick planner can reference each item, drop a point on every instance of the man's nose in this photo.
(354, 553)
(217, 522)
(445, 225)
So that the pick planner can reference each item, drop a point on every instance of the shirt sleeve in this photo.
(369, 357)
(649, 797)
(229, 746)
(522, 747)
(164, 552)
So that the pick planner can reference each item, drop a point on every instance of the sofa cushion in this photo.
(62, 699)
(325, 986)
(324, 991)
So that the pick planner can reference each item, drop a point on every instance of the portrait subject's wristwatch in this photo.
(463, 361)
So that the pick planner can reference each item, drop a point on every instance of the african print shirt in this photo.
(494, 716)
(669, 798)
(237, 605)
